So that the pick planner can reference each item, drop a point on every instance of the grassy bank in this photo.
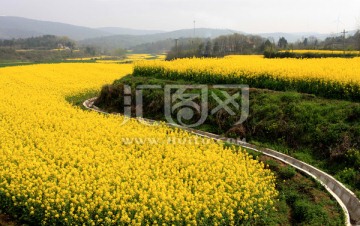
(322, 132)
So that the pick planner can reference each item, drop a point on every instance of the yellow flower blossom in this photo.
(71, 167)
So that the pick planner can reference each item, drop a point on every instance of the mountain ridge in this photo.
(20, 27)
(128, 31)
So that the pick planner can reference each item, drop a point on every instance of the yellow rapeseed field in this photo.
(333, 69)
(139, 56)
(326, 77)
(60, 165)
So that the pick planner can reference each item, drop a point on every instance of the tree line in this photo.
(45, 42)
(218, 47)
(48, 48)
(253, 44)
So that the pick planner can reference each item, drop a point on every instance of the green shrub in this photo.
(353, 158)
(272, 164)
(287, 172)
(288, 54)
(307, 213)
(349, 176)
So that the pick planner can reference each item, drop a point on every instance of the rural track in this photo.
(346, 198)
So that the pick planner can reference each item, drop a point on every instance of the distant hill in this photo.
(117, 37)
(128, 41)
(18, 27)
(128, 31)
(199, 32)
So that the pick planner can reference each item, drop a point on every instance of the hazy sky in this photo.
(324, 16)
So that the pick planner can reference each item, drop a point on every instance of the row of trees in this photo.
(339, 42)
(351, 42)
(253, 44)
(218, 47)
(40, 49)
(45, 42)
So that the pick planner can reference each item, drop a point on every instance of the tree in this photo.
(282, 43)
(90, 50)
(267, 46)
(216, 48)
(119, 52)
(313, 41)
(305, 42)
(208, 48)
(357, 38)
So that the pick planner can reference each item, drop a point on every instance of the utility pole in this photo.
(193, 41)
(176, 46)
(344, 32)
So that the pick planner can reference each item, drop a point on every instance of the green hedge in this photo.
(288, 54)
